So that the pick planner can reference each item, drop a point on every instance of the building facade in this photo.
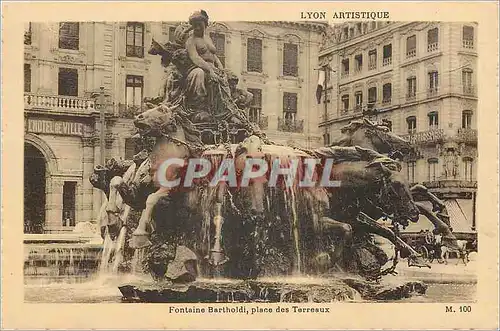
(420, 77)
(67, 63)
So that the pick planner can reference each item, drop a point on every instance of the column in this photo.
(88, 209)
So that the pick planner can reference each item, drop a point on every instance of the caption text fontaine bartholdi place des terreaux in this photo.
(242, 309)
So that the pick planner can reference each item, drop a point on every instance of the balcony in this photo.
(358, 108)
(411, 97)
(451, 183)
(372, 66)
(58, 103)
(387, 61)
(432, 47)
(411, 53)
(27, 37)
(344, 74)
(469, 90)
(357, 71)
(432, 92)
(467, 135)
(425, 137)
(469, 44)
(296, 126)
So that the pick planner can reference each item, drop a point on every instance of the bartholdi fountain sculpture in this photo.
(252, 232)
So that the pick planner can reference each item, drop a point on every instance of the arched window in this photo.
(467, 119)
(411, 122)
(433, 120)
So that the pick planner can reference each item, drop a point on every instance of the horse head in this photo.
(155, 121)
(395, 197)
(373, 136)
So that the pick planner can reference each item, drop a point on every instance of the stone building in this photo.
(67, 63)
(421, 78)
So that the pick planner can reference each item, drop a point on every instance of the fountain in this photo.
(271, 240)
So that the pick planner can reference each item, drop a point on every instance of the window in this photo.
(27, 78)
(433, 81)
(372, 95)
(68, 82)
(411, 46)
(132, 147)
(411, 122)
(387, 93)
(254, 55)
(256, 106)
(27, 33)
(433, 120)
(290, 60)
(433, 170)
(468, 36)
(468, 169)
(387, 55)
(219, 41)
(289, 106)
(358, 60)
(345, 67)
(351, 32)
(467, 81)
(432, 39)
(345, 103)
(133, 91)
(466, 119)
(412, 87)
(374, 25)
(372, 59)
(346, 33)
(358, 96)
(359, 28)
(69, 35)
(135, 39)
(411, 171)
(69, 198)
(171, 34)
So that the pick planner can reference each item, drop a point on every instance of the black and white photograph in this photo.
(200, 161)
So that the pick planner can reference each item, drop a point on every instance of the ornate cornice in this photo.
(302, 25)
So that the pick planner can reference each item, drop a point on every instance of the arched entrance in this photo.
(35, 172)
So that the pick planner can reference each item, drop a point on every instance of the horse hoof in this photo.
(139, 240)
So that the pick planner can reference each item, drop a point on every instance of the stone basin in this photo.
(292, 290)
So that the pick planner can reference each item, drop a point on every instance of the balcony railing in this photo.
(358, 108)
(469, 89)
(58, 103)
(411, 96)
(386, 101)
(285, 125)
(387, 61)
(344, 74)
(411, 53)
(468, 44)
(432, 92)
(432, 47)
(467, 135)
(372, 66)
(451, 183)
(357, 71)
(425, 137)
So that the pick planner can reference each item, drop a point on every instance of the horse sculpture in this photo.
(258, 230)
